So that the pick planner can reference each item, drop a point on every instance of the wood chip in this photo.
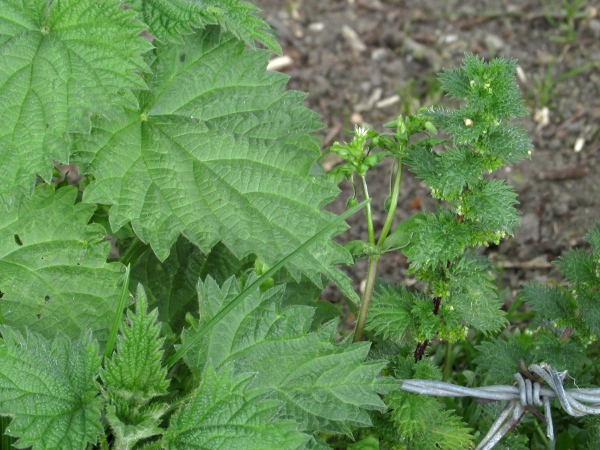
(353, 39)
(389, 101)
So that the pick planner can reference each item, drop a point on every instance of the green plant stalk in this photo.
(114, 329)
(366, 300)
(374, 259)
(395, 194)
(133, 253)
(368, 211)
(184, 348)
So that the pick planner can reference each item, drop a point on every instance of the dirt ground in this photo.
(366, 61)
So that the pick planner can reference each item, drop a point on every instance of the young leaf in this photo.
(135, 372)
(322, 385)
(49, 389)
(130, 423)
(217, 152)
(223, 415)
(53, 77)
(498, 359)
(491, 205)
(169, 19)
(53, 265)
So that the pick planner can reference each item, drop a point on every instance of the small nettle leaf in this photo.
(593, 237)
(486, 86)
(223, 414)
(422, 421)
(578, 267)
(53, 264)
(473, 294)
(498, 360)
(53, 77)
(135, 371)
(508, 142)
(49, 389)
(437, 237)
(322, 385)
(390, 312)
(171, 284)
(217, 152)
(169, 19)
(491, 205)
(549, 302)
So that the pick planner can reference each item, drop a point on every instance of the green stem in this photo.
(133, 253)
(368, 212)
(114, 329)
(374, 259)
(366, 300)
(395, 194)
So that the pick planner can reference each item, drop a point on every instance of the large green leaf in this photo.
(169, 19)
(322, 385)
(53, 265)
(60, 62)
(217, 152)
(223, 415)
(49, 389)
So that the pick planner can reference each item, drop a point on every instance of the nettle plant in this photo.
(204, 172)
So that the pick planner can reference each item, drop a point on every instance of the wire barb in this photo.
(525, 397)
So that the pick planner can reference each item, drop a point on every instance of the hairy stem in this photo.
(368, 210)
(366, 300)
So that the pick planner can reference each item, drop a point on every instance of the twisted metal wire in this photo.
(525, 397)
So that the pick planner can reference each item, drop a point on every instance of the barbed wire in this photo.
(525, 397)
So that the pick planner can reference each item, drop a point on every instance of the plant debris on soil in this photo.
(366, 61)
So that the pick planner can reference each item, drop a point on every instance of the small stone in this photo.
(353, 39)
(494, 42)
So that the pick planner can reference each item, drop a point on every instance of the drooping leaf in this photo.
(321, 384)
(171, 284)
(135, 372)
(49, 389)
(53, 265)
(223, 414)
(53, 77)
(217, 152)
(169, 19)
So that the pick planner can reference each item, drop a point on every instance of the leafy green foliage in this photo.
(135, 372)
(134, 376)
(217, 151)
(53, 265)
(49, 389)
(169, 19)
(222, 414)
(322, 385)
(53, 77)
(201, 167)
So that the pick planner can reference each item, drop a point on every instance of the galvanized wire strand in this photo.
(524, 397)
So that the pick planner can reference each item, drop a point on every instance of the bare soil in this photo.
(367, 61)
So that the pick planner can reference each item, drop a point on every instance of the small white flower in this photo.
(360, 131)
